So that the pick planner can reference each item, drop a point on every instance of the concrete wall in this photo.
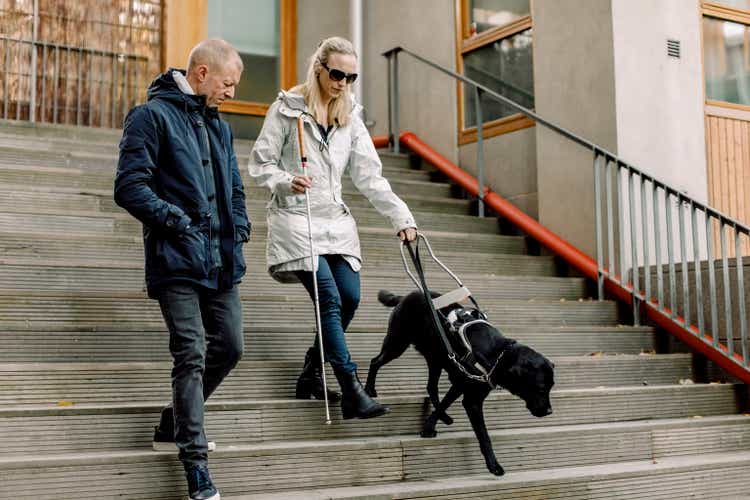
(317, 20)
(660, 124)
(574, 86)
(428, 100)
(510, 167)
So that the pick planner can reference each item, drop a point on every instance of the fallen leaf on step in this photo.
(65, 403)
(685, 381)
(746, 414)
(563, 300)
(598, 353)
(647, 352)
(697, 416)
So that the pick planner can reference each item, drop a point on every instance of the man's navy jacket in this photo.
(161, 180)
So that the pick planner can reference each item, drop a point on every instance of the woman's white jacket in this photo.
(275, 161)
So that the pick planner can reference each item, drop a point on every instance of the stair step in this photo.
(37, 430)
(378, 246)
(48, 383)
(50, 171)
(45, 212)
(117, 280)
(368, 461)
(120, 342)
(712, 476)
(90, 309)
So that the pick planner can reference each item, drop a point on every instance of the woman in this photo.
(335, 140)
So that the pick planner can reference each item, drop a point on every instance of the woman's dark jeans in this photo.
(206, 342)
(338, 292)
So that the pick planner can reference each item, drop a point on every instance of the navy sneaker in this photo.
(200, 485)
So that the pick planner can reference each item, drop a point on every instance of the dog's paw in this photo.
(428, 433)
(371, 391)
(496, 469)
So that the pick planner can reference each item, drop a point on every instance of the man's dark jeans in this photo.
(206, 342)
(338, 292)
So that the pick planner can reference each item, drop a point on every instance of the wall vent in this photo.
(673, 48)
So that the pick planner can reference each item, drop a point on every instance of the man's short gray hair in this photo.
(214, 53)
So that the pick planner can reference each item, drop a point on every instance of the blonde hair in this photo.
(339, 108)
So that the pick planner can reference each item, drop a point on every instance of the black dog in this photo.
(520, 369)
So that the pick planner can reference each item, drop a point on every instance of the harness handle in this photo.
(422, 285)
(434, 257)
(414, 254)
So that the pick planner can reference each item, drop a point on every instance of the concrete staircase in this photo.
(84, 363)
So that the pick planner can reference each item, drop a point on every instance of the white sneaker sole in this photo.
(162, 446)
(215, 497)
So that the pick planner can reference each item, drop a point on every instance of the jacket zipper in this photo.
(204, 137)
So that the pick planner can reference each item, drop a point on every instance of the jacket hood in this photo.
(164, 87)
(294, 104)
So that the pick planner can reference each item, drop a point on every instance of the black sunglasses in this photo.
(337, 75)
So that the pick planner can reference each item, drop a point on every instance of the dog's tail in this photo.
(388, 299)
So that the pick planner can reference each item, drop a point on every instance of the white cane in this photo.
(319, 330)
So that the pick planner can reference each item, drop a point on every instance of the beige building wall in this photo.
(660, 116)
(574, 86)
(510, 167)
(316, 20)
(428, 99)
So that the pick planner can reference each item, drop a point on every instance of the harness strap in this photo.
(436, 320)
(449, 298)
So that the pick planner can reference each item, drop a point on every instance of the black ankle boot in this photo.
(310, 381)
(355, 402)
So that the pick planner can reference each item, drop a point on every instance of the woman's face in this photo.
(342, 62)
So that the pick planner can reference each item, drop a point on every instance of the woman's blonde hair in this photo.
(340, 108)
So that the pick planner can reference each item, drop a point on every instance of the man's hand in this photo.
(301, 183)
(408, 234)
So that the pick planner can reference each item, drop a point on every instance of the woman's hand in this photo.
(408, 234)
(301, 183)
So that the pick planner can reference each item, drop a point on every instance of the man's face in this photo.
(218, 84)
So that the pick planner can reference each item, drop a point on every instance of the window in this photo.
(495, 49)
(726, 52)
(734, 4)
(488, 14)
(263, 32)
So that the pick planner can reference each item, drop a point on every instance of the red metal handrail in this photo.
(572, 255)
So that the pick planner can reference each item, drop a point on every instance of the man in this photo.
(178, 175)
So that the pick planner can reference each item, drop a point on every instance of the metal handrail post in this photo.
(597, 230)
(34, 36)
(480, 149)
(395, 102)
(390, 101)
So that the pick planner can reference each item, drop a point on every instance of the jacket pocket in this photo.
(239, 260)
(281, 200)
(186, 254)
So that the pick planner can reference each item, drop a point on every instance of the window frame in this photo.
(466, 43)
